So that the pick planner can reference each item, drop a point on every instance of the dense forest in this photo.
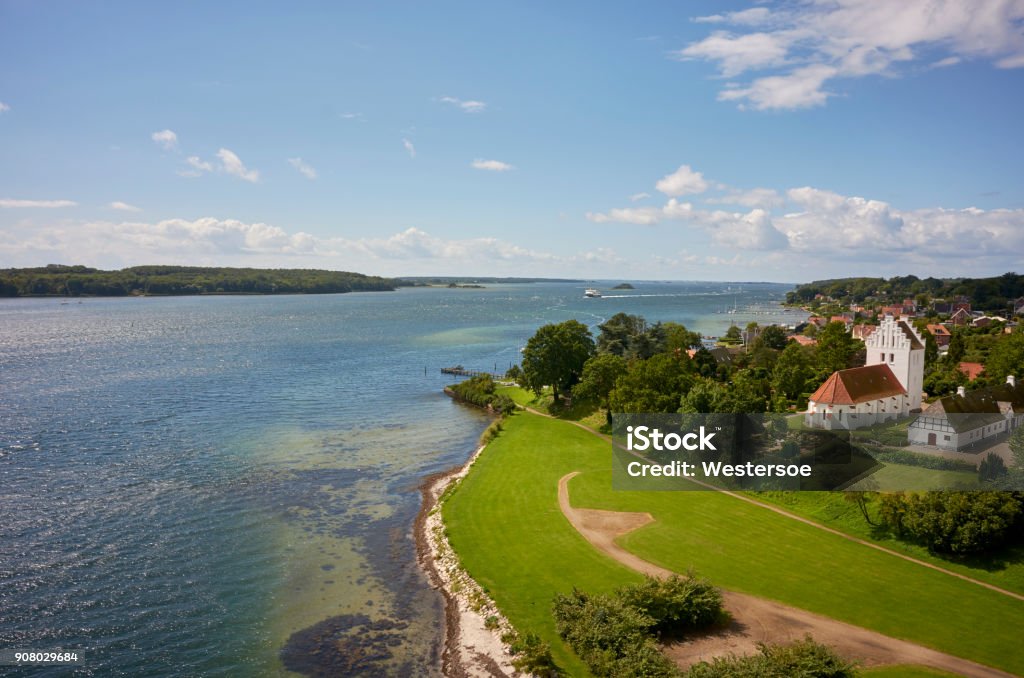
(984, 293)
(56, 280)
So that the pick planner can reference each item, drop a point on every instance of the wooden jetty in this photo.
(460, 371)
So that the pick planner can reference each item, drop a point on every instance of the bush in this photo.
(615, 635)
(676, 604)
(480, 391)
(907, 458)
(802, 658)
(954, 522)
(531, 655)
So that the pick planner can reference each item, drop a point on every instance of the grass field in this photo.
(505, 524)
(831, 509)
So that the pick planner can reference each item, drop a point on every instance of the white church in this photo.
(887, 387)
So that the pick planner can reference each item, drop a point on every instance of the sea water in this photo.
(227, 485)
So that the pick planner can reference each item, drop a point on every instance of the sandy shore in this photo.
(471, 649)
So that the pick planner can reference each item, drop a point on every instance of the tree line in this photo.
(984, 293)
(75, 281)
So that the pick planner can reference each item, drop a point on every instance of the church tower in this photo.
(897, 344)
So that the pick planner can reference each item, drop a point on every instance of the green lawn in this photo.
(505, 523)
(904, 671)
(831, 509)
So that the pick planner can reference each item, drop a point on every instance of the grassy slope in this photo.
(505, 523)
(831, 509)
(506, 526)
(746, 548)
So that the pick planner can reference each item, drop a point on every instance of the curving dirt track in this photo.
(757, 620)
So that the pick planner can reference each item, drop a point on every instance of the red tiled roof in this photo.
(802, 340)
(939, 330)
(972, 370)
(858, 385)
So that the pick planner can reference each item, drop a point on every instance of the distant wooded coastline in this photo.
(76, 281)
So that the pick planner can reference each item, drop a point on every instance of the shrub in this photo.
(676, 604)
(531, 655)
(803, 658)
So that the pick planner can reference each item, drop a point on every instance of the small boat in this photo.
(591, 292)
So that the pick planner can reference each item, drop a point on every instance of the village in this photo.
(924, 364)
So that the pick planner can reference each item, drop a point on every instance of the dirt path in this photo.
(816, 525)
(756, 619)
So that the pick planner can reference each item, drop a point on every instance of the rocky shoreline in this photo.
(473, 625)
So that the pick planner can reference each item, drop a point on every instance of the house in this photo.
(970, 419)
(846, 319)
(802, 340)
(862, 332)
(942, 335)
(972, 370)
(960, 317)
(986, 320)
(887, 387)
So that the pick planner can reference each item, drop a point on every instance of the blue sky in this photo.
(654, 140)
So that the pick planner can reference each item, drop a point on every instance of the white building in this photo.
(887, 387)
(897, 344)
(970, 419)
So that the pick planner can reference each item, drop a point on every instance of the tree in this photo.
(991, 467)
(678, 337)
(654, 385)
(957, 347)
(772, 336)
(931, 349)
(835, 348)
(1017, 447)
(1006, 357)
(733, 336)
(598, 379)
(704, 362)
(792, 370)
(555, 356)
(619, 332)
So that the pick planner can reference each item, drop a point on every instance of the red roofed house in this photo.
(942, 335)
(802, 340)
(888, 387)
(972, 370)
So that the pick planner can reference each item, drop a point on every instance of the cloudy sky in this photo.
(656, 140)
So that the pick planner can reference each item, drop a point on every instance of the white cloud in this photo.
(13, 203)
(409, 148)
(166, 139)
(639, 196)
(467, 106)
(738, 53)
(353, 116)
(303, 168)
(198, 166)
(643, 216)
(801, 88)
(684, 181)
(232, 164)
(491, 165)
(751, 17)
(805, 45)
(123, 206)
(4, 107)
(755, 197)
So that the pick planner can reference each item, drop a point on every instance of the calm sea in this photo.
(227, 485)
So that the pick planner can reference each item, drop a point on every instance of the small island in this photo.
(77, 281)
(623, 286)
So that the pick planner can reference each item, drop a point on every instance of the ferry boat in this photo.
(591, 292)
